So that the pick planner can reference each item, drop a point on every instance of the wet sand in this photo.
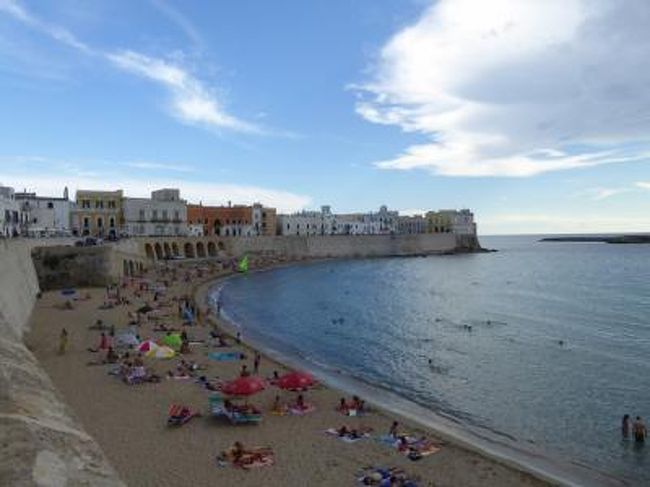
(129, 422)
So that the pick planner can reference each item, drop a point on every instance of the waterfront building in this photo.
(325, 222)
(11, 216)
(408, 225)
(233, 221)
(46, 216)
(459, 222)
(307, 223)
(164, 214)
(97, 213)
(195, 230)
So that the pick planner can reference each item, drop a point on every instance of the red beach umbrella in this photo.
(296, 381)
(244, 386)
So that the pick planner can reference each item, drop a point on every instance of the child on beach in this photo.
(63, 341)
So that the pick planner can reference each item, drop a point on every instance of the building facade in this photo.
(233, 221)
(459, 222)
(325, 222)
(12, 218)
(409, 225)
(46, 216)
(98, 213)
(164, 214)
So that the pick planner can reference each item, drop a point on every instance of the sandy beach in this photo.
(129, 421)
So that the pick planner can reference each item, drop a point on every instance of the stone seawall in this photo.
(41, 444)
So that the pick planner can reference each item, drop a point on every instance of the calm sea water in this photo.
(558, 350)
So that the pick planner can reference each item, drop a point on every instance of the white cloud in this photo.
(191, 100)
(57, 33)
(159, 165)
(599, 194)
(178, 19)
(516, 88)
(643, 184)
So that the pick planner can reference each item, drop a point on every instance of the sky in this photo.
(534, 114)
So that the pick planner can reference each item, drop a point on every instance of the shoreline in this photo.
(128, 421)
(527, 461)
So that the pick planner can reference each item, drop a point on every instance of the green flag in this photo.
(243, 264)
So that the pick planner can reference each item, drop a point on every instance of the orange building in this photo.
(233, 221)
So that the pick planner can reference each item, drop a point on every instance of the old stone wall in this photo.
(41, 444)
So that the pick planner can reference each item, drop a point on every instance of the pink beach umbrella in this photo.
(244, 386)
(296, 381)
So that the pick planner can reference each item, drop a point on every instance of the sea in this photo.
(537, 349)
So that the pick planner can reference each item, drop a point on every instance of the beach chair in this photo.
(218, 409)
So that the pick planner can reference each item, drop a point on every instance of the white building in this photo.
(195, 230)
(307, 223)
(409, 225)
(11, 217)
(461, 221)
(325, 222)
(46, 216)
(164, 214)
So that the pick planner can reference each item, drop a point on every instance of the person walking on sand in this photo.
(639, 430)
(63, 341)
(256, 363)
(625, 426)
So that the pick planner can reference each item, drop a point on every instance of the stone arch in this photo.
(189, 250)
(158, 249)
(131, 268)
(175, 249)
(212, 249)
(149, 251)
(221, 246)
(167, 249)
(200, 249)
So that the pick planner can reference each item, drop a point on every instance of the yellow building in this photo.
(98, 213)
(438, 222)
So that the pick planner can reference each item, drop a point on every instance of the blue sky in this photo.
(534, 114)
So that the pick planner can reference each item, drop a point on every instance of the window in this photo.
(50, 205)
(99, 204)
(177, 216)
(85, 203)
(86, 222)
(100, 222)
(164, 214)
(154, 215)
(111, 204)
(111, 223)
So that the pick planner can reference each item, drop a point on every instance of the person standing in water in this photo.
(625, 426)
(639, 430)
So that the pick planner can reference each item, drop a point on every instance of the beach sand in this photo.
(129, 422)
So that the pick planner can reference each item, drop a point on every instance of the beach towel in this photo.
(385, 477)
(224, 356)
(296, 411)
(179, 415)
(348, 438)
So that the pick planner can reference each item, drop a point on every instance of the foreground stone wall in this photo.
(41, 444)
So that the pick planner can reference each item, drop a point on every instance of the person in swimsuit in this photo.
(639, 430)
(625, 426)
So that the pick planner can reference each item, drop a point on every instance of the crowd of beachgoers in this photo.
(148, 351)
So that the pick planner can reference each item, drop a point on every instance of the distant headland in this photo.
(611, 239)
